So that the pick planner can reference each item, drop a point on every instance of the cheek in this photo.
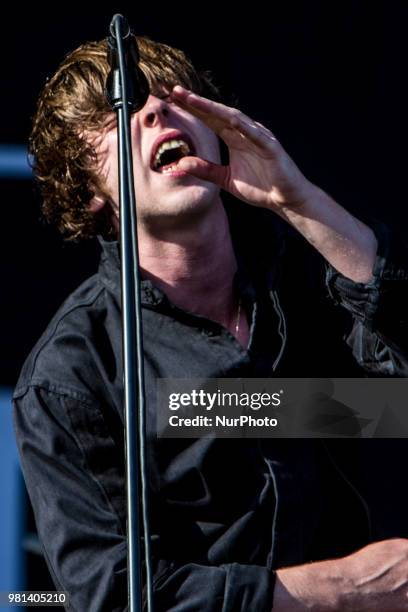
(207, 140)
(217, 149)
(141, 172)
(211, 145)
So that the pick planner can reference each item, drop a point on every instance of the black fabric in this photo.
(224, 513)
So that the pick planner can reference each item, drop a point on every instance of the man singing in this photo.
(236, 525)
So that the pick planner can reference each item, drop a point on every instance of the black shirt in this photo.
(224, 513)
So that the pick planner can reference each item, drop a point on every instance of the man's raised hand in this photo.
(260, 172)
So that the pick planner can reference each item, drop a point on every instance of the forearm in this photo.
(315, 586)
(373, 579)
(345, 242)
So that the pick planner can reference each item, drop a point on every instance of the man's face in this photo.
(161, 132)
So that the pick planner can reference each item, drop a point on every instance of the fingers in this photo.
(204, 169)
(254, 131)
(199, 105)
(209, 109)
(220, 117)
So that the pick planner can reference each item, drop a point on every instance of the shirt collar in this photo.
(109, 270)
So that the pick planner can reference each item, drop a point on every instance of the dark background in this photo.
(328, 78)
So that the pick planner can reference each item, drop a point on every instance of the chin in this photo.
(189, 199)
(179, 213)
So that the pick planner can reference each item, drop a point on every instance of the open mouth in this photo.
(169, 152)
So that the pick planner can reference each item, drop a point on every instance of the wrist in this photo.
(317, 587)
(346, 243)
(305, 206)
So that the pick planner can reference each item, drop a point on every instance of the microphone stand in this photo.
(127, 91)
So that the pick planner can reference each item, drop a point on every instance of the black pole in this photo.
(127, 91)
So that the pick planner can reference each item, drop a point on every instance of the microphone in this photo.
(122, 38)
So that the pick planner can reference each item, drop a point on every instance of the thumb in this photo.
(204, 169)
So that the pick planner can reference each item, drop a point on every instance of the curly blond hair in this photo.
(72, 103)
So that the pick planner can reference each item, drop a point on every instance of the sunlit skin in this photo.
(184, 239)
(185, 248)
(185, 245)
(164, 200)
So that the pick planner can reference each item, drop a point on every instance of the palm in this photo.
(259, 170)
(250, 175)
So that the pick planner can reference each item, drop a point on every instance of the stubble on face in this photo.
(164, 203)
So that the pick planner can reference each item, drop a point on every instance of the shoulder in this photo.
(64, 353)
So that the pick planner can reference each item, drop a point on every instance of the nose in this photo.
(155, 111)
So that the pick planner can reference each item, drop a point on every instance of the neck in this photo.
(194, 266)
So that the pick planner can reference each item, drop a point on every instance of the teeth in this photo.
(169, 169)
(171, 144)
